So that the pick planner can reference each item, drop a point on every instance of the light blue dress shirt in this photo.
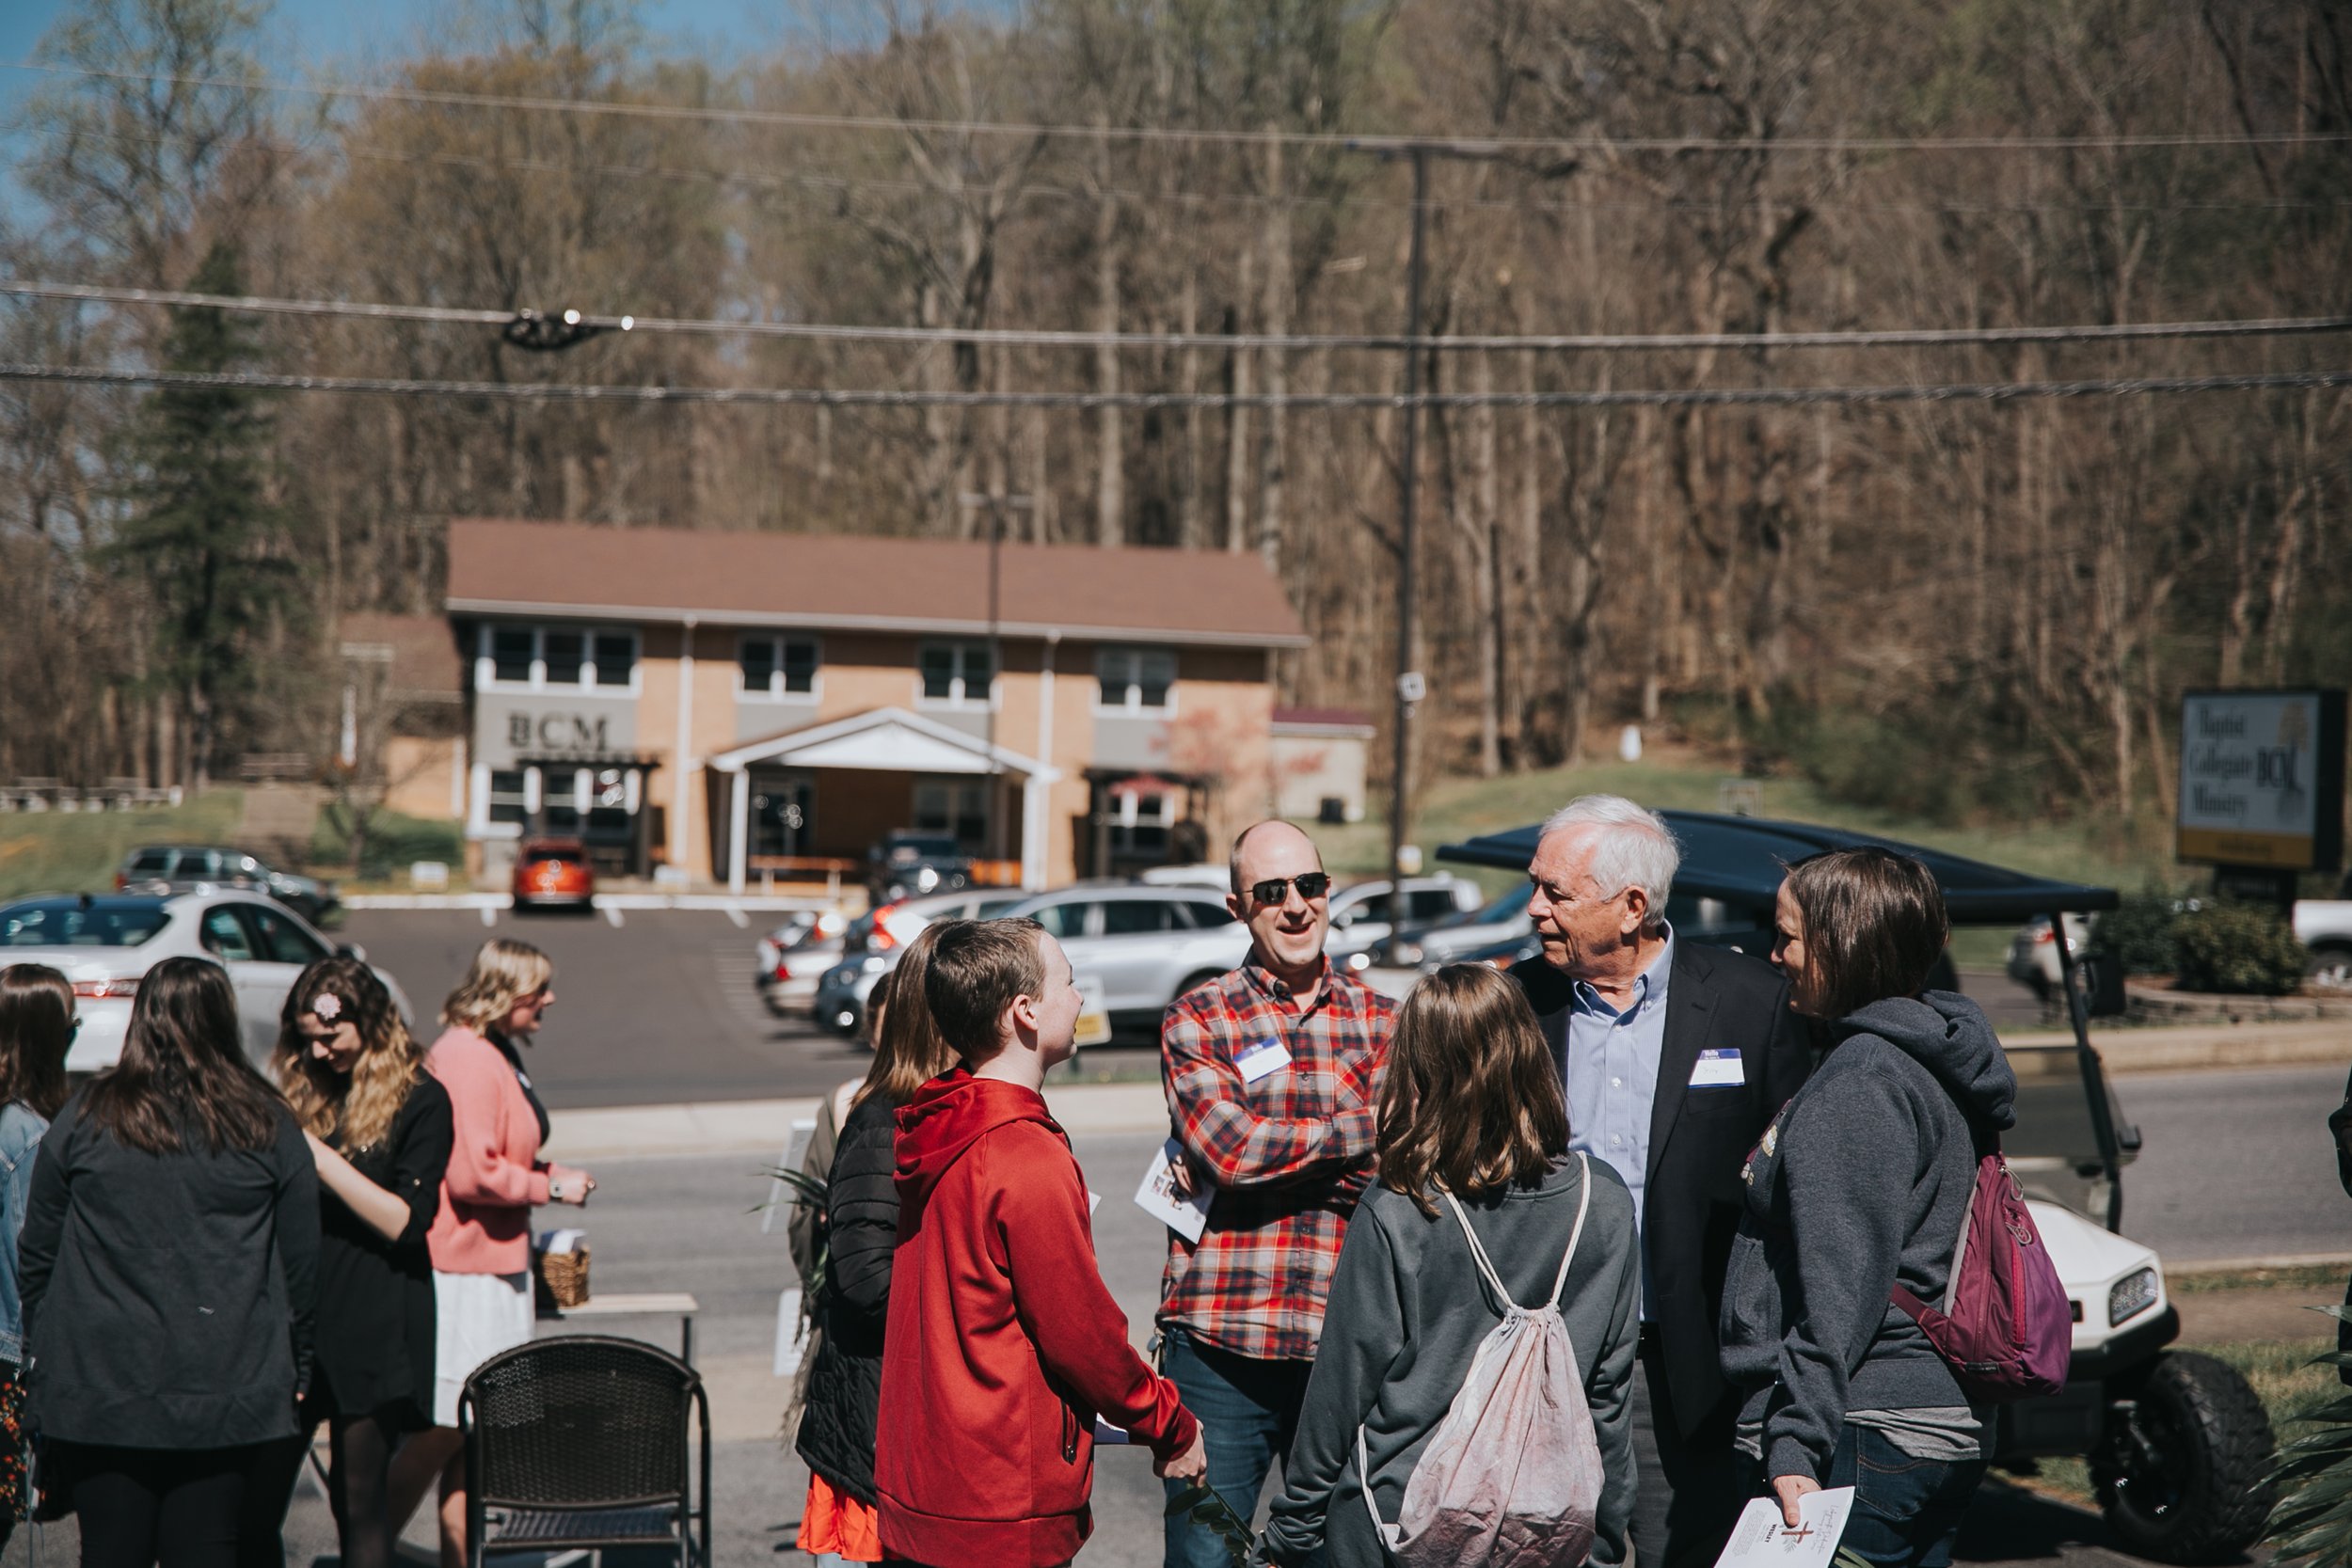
(1611, 1076)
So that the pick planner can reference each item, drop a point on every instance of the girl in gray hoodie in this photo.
(1861, 1183)
(1470, 1105)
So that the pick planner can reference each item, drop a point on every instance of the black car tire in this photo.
(2183, 1475)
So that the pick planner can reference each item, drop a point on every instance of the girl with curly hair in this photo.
(378, 1127)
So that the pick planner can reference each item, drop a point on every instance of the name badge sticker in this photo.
(1262, 1060)
(1718, 1070)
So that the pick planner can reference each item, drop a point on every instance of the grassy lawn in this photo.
(1455, 809)
(57, 851)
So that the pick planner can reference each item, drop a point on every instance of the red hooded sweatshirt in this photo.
(1003, 1343)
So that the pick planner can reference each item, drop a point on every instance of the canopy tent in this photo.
(1743, 857)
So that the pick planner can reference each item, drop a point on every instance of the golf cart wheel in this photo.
(2183, 1475)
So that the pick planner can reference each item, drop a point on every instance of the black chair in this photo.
(580, 1441)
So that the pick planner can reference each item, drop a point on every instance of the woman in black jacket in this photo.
(168, 1266)
(379, 1127)
(861, 1225)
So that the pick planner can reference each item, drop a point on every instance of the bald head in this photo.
(1273, 847)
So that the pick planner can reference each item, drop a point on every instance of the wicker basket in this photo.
(566, 1274)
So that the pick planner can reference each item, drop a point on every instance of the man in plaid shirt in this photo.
(1273, 1075)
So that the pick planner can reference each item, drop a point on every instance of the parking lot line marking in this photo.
(613, 916)
(489, 915)
(736, 914)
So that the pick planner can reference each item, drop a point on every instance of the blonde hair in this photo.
(502, 974)
(363, 1104)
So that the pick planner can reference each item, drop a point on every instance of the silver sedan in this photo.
(103, 944)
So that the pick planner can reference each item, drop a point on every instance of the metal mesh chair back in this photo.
(581, 1421)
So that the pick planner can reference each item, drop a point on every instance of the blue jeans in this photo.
(1250, 1411)
(1906, 1511)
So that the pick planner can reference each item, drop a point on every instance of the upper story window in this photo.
(777, 666)
(1136, 680)
(955, 673)
(556, 659)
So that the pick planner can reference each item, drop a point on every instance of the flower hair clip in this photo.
(327, 1006)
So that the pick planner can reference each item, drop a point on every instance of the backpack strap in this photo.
(1486, 1266)
(1583, 1204)
(1478, 1254)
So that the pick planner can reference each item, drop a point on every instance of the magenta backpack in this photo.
(2006, 1328)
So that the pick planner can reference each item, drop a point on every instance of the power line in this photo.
(1999, 391)
(1045, 338)
(1345, 141)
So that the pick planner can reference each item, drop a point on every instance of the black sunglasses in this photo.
(1274, 889)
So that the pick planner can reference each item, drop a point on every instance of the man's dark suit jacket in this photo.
(1716, 999)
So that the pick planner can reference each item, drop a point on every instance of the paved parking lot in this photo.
(663, 1007)
(658, 1008)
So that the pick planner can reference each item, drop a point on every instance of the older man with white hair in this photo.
(1675, 1057)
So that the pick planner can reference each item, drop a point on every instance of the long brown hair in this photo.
(35, 1032)
(362, 1103)
(1874, 925)
(909, 1050)
(183, 1064)
(1472, 1102)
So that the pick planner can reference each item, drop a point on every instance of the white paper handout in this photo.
(1159, 1199)
(1762, 1538)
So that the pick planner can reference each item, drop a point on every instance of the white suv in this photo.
(1143, 945)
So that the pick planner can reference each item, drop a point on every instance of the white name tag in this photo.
(1718, 1070)
(1262, 1060)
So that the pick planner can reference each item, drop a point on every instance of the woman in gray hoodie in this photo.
(1470, 1106)
(1860, 1185)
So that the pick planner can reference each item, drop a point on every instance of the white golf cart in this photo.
(2178, 1443)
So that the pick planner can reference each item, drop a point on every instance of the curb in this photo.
(2256, 1265)
(2252, 1045)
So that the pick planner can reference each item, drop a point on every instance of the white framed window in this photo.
(1139, 823)
(1136, 680)
(954, 675)
(509, 795)
(517, 656)
(958, 806)
(777, 666)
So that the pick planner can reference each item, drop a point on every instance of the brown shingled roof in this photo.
(424, 657)
(645, 574)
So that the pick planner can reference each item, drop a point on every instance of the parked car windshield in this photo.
(70, 922)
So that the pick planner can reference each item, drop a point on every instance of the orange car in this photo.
(552, 871)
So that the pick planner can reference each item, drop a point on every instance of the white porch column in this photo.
(681, 779)
(1033, 791)
(739, 837)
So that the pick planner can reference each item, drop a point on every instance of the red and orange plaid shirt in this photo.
(1288, 1154)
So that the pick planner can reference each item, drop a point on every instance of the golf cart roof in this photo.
(1744, 858)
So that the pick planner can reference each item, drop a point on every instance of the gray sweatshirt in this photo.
(1861, 1181)
(1407, 1313)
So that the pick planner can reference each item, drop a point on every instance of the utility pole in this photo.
(1410, 684)
(996, 506)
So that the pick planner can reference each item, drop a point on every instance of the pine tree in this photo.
(200, 528)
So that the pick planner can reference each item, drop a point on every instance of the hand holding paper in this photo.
(1765, 1539)
(1182, 1208)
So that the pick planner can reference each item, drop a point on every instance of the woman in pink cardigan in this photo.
(481, 1239)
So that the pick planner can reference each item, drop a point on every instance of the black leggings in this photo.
(179, 1507)
(360, 1457)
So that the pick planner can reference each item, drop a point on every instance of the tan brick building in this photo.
(732, 704)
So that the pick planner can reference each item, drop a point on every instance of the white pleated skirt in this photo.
(475, 1316)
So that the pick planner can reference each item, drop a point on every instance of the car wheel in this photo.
(2182, 1474)
(2332, 967)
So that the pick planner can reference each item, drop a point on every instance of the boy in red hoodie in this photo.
(1003, 1343)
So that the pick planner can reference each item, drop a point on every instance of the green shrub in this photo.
(2138, 932)
(2241, 949)
(394, 842)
